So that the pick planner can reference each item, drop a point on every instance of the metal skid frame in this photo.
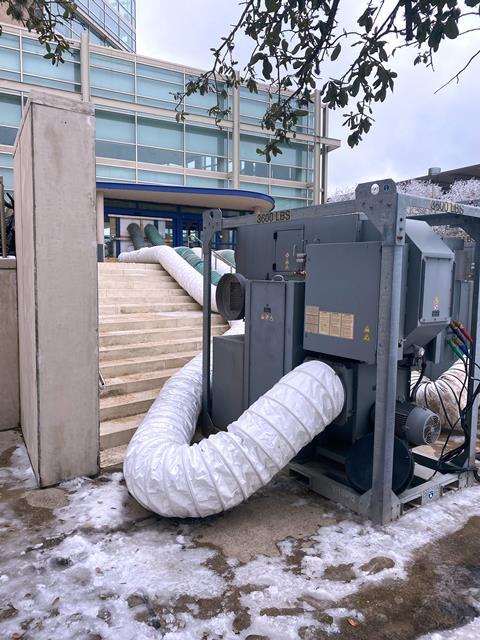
(387, 210)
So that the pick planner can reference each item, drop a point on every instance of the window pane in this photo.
(196, 181)
(111, 62)
(252, 186)
(161, 178)
(160, 133)
(249, 168)
(115, 126)
(115, 173)
(206, 162)
(104, 79)
(292, 154)
(6, 160)
(212, 141)
(9, 59)
(160, 74)
(7, 135)
(158, 90)
(160, 156)
(115, 150)
(249, 146)
(288, 173)
(10, 109)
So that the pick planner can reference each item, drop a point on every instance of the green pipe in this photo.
(197, 263)
(152, 234)
(136, 235)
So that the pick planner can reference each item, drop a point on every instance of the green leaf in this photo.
(451, 28)
(336, 52)
(267, 68)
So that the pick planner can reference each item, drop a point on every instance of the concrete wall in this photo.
(54, 176)
(9, 390)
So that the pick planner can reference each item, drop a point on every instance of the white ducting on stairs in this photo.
(171, 477)
(187, 277)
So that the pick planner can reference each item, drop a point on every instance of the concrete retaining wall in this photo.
(54, 176)
(9, 389)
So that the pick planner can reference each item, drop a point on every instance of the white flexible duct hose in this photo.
(450, 386)
(173, 478)
(187, 277)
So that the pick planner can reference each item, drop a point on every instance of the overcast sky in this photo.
(414, 129)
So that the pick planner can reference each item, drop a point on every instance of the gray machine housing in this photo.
(361, 287)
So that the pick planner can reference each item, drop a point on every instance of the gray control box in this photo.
(227, 382)
(273, 333)
(341, 299)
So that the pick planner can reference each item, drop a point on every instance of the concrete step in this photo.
(115, 433)
(136, 336)
(129, 266)
(128, 276)
(136, 382)
(104, 309)
(157, 289)
(148, 350)
(130, 404)
(140, 297)
(144, 364)
(112, 459)
(127, 322)
(141, 286)
(153, 295)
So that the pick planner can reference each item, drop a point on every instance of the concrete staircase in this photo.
(149, 328)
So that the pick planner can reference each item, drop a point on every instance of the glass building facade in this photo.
(138, 138)
(110, 23)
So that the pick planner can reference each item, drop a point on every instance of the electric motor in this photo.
(415, 424)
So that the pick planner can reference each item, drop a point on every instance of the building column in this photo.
(317, 151)
(54, 173)
(85, 66)
(100, 207)
(236, 138)
(325, 151)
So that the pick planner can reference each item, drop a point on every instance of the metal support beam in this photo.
(3, 226)
(212, 222)
(236, 138)
(317, 156)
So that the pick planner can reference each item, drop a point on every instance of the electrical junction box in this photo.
(273, 333)
(430, 280)
(341, 300)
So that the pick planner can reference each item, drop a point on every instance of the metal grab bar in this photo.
(216, 255)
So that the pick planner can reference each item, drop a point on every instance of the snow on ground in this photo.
(102, 568)
(470, 631)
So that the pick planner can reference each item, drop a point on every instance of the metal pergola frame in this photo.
(387, 210)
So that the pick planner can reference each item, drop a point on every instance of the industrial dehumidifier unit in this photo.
(369, 288)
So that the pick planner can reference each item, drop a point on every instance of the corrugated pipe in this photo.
(152, 234)
(136, 235)
(443, 395)
(173, 478)
(186, 276)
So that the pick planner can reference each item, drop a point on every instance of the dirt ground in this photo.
(85, 561)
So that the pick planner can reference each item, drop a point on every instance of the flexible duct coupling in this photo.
(415, 424)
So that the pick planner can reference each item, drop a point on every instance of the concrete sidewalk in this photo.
(85, 561)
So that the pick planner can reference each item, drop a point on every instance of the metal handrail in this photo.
(215, 254)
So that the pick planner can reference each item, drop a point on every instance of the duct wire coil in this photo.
(173, 478)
